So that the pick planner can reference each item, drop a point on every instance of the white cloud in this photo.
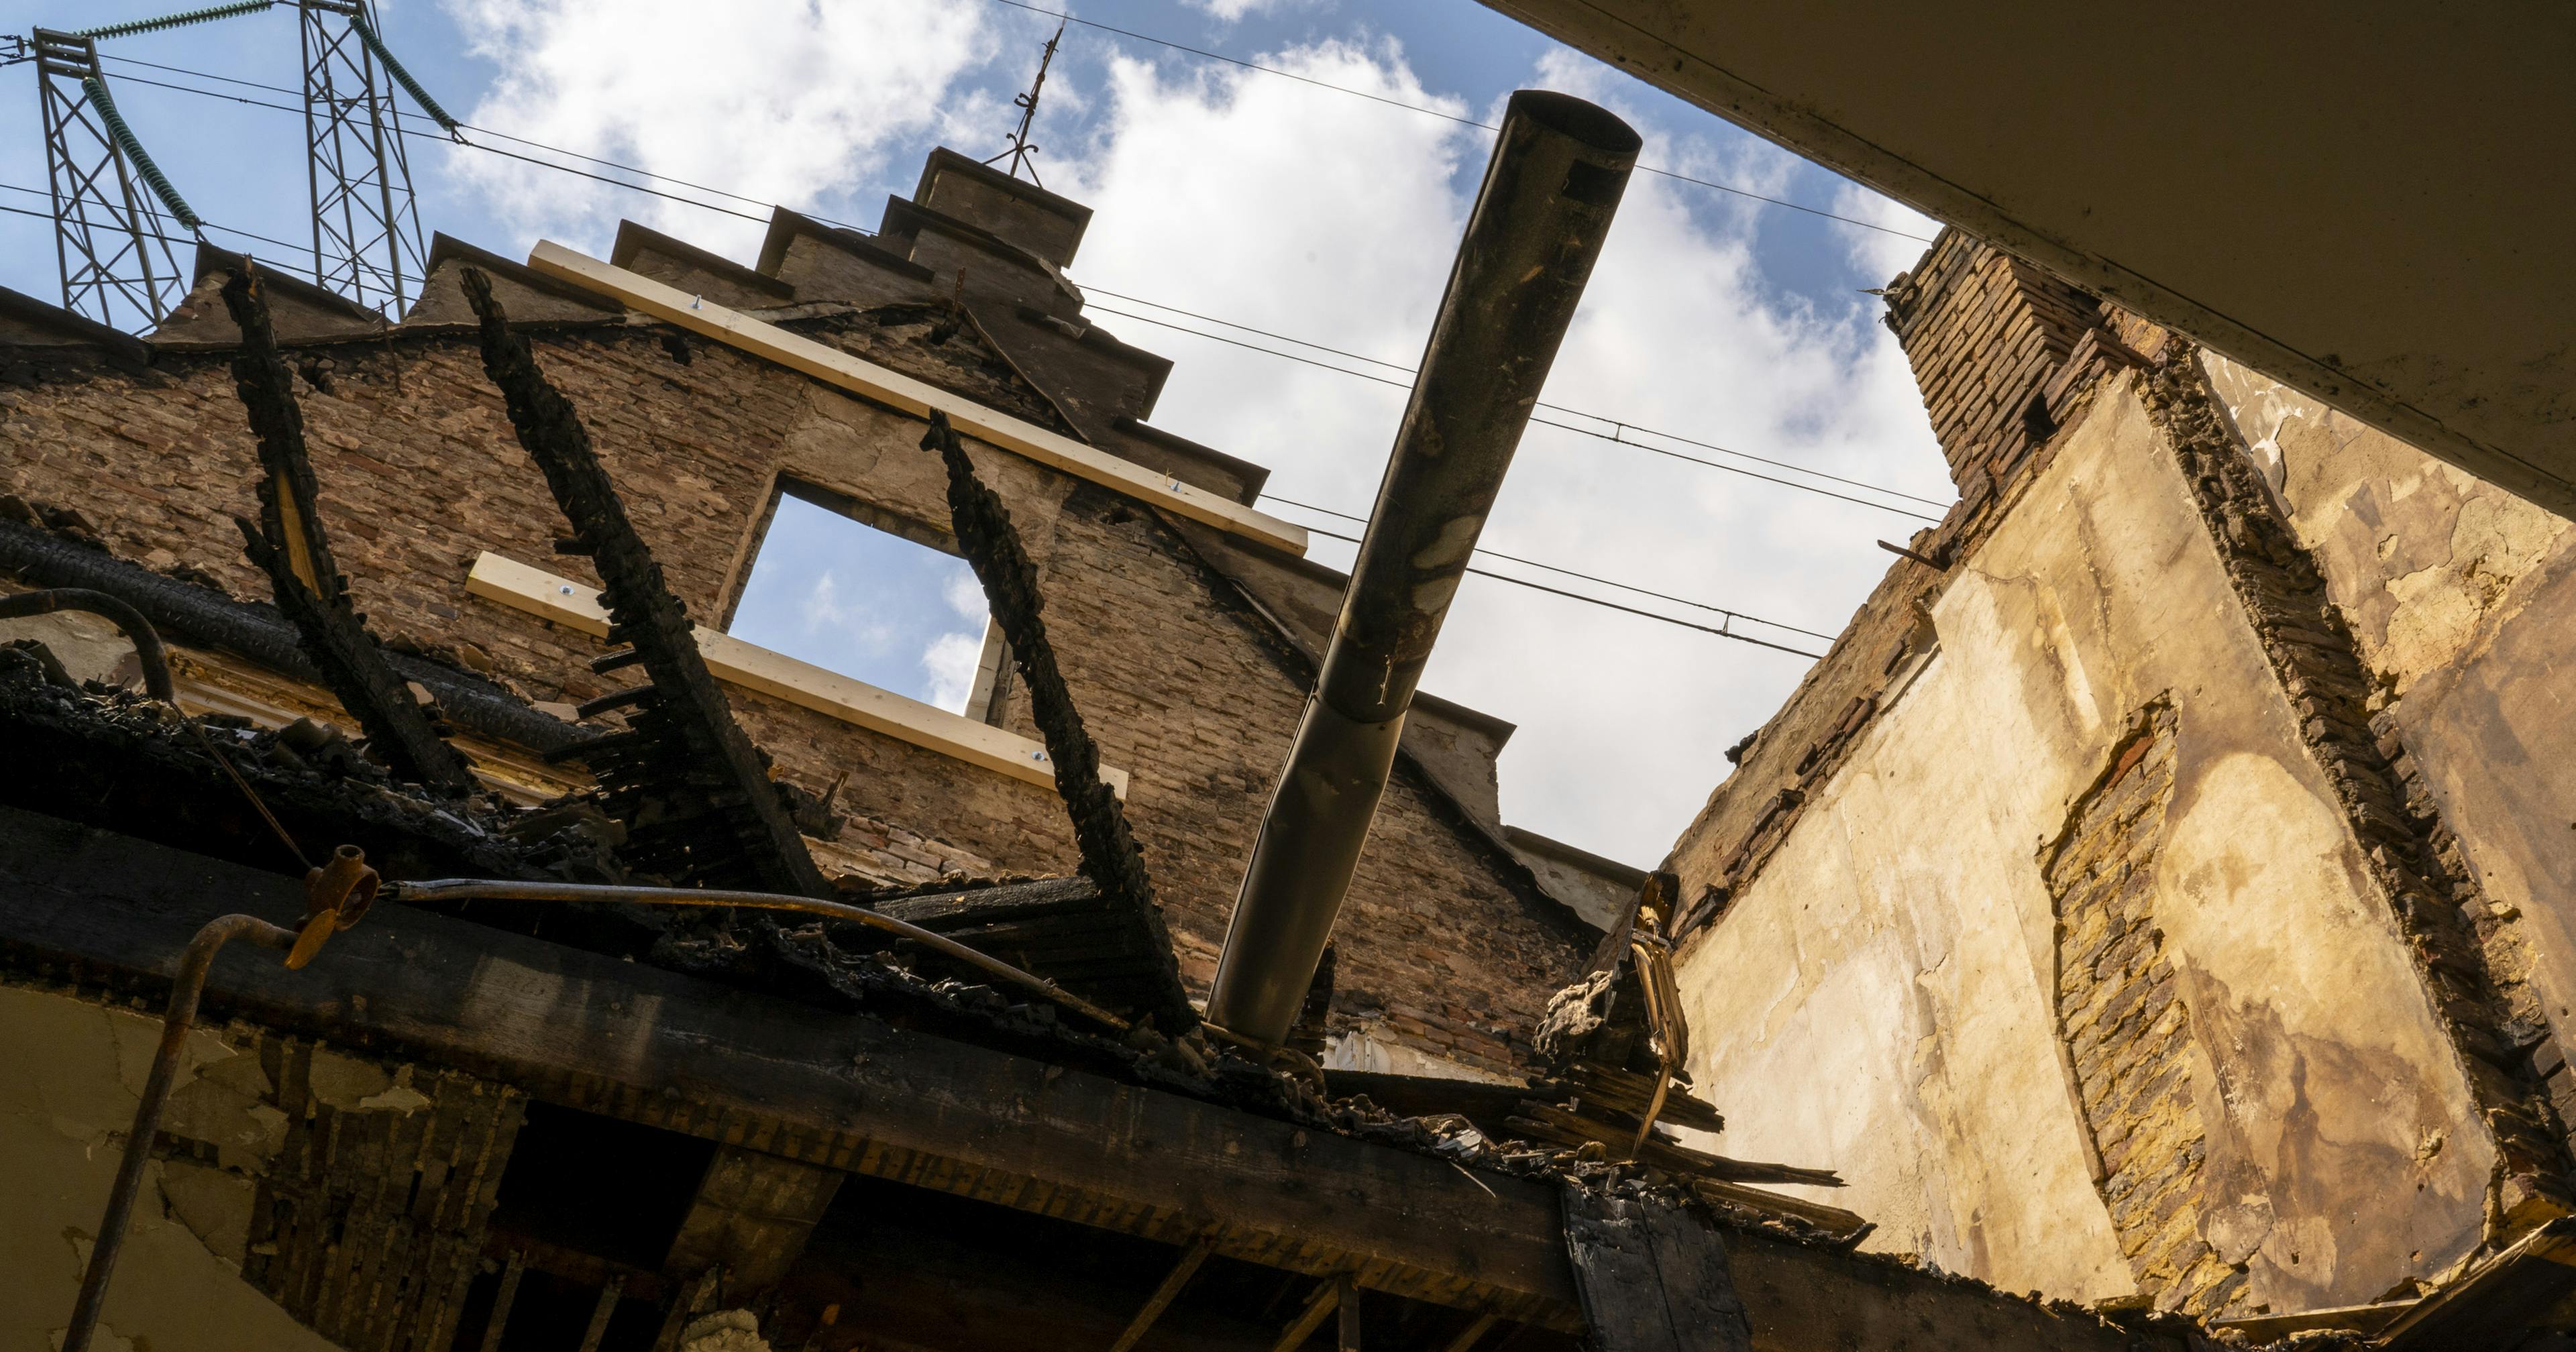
(1228, 11)
(782, 100)
(950, 660)
(1875, 252)
(963, 593)
(1330, 218)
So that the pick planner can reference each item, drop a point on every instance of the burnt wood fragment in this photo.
(734, 833)
(1109, 854)
(290, 546)
(1651, 1278)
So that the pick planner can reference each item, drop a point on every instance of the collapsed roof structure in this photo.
(657, 990)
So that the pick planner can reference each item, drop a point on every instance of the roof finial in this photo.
(1020, 150)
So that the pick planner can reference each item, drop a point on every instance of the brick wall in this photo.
(2127, 1030)
(419, 473)
(1985, 333)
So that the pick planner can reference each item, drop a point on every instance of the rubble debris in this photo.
(691, 789)
(724, 1331)
(290, 545)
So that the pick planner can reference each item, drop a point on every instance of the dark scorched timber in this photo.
(690, 787)
(1110, 858)
(290, 546)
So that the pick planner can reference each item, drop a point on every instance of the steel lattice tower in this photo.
(112, 246)
(366, 229)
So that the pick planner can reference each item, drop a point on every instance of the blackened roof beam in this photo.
(1109, 854)
(290, 545)
(718, 820)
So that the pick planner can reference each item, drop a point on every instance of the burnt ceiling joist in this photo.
(290, 545)
(1110, 858)
(862, 1096)
(692, 790)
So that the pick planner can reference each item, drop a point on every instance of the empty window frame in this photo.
(856, 592)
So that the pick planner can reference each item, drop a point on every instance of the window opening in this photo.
(869, 604)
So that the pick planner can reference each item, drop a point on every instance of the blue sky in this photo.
(1249, 197)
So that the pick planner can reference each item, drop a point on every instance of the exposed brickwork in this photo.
(1184, 687)
(2430, 896)
(2128, 1032)
(1985, 332)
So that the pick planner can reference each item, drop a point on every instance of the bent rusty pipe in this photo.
(190, 984)
(148, 652)
(1538, 225)
(470, 889)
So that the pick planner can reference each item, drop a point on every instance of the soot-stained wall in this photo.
(1445, 945)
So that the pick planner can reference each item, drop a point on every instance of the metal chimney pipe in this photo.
(1537, 228)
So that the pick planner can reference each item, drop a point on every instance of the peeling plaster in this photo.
(1916, 1047)
(70, 1073)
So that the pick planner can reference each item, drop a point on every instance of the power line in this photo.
(1090, 290)
(1568, 572)
(484, 131)
(1607, 605)
(1618, 437)
(1730, 615)
(1481, 572)
(1542, 422)
(1445, 116)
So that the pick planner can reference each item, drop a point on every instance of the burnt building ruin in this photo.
(658, 990)
(2157, 895)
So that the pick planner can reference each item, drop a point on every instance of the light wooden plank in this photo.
(575, 605)
(904, 394)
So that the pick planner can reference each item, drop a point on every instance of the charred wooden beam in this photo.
(740, 834)
(290, 546)
(187, 613)
(1652, 1279)
(1109, 854)
(1164, 1294)
(635, 1041)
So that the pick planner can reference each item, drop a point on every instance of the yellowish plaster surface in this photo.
(1880, 999)
(70, 1072)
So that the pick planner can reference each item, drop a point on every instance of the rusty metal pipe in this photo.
(148, 652)
(190, 984)
(1550, 190)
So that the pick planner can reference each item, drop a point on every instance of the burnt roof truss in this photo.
(691, 789)
(290, 546)
(1110, 858)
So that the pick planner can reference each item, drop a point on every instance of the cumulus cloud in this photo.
(1876, 253)
(1227, 11)
(950, 662)
(963, 593)
(1330, 218)
(782, 100)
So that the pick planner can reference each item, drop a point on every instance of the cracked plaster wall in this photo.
(1880, 998)
(2463, 599)
(70, 1073)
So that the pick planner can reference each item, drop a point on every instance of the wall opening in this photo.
(872, 598)
(2127, 1031)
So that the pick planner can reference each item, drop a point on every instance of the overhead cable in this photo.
(1204, 54)
(1606, 605)
(1617, 437)
(1091, 290)
(1540, 422)
(1568, 572)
